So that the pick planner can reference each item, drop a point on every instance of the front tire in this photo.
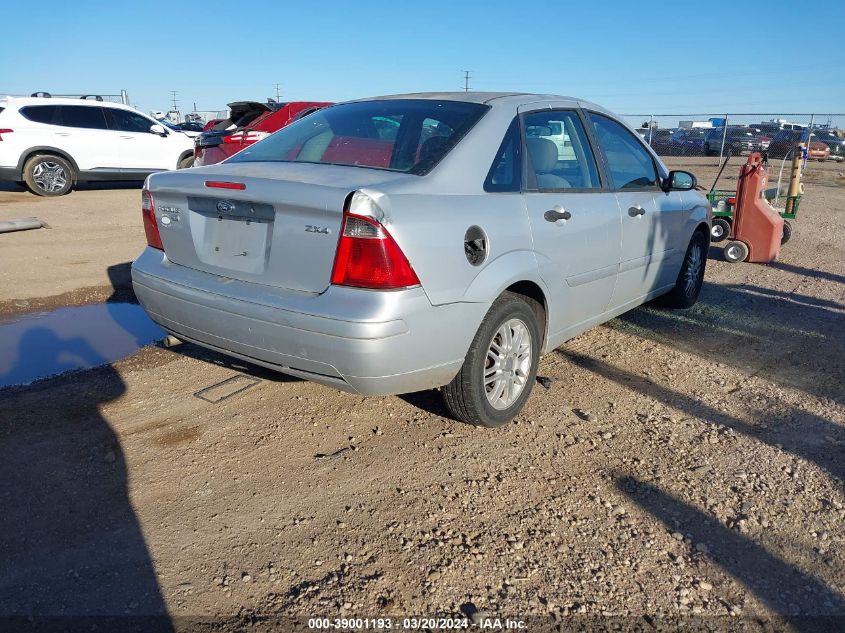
(48, 175)
(500, 367)
(186, 162)
(691, 276)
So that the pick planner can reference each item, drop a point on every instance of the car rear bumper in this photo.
(367, 342)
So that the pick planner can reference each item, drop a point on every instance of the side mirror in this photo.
(158, 129)
(679, 181)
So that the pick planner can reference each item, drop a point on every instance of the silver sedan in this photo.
(422, 241)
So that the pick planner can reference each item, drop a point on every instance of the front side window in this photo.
(629, 164)
(40, 114)
(90, 117)
(127, 121)
(558, 151)
(407, 135)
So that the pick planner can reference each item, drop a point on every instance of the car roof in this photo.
(25, 101)
(488, 98)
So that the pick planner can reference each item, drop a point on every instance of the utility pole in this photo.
(173, 94)
(467, 77)
(278, 93)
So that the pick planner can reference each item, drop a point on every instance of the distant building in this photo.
(695, 124)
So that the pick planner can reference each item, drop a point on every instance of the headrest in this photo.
(543, 153)
(431, 149)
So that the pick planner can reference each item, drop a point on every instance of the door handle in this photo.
(553, 215)
(635, 211)
(128, 138)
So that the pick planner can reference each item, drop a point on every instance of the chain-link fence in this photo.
(714, 145)
(716, 135)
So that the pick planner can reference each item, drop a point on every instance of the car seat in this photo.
(543, 154)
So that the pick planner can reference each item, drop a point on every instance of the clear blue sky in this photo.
(629, 56)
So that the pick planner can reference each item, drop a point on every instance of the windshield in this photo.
(407, 135)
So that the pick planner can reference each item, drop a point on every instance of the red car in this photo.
(248, 122)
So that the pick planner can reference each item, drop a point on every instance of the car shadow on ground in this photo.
(197, 352)
(430, 400)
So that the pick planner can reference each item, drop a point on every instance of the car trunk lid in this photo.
(279, 227)
(241, 114)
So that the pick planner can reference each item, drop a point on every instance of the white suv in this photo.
(51, 144)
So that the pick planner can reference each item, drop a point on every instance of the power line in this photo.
(467, 77)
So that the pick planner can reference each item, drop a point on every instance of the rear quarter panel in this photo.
(430, 230)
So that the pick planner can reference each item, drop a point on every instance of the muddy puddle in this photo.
(43, 344)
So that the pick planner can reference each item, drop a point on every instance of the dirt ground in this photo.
(681, 464)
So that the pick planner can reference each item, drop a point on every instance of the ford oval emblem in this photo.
(224, 206)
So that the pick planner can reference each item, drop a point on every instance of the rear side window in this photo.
(90, 117)
(126, 121)
(506, 171)
(40, 114)
(629, 163)
(407, 135)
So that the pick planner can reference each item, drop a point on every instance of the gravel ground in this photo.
(681, 464)
(82, 258)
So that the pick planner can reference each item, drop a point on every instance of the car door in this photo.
(650, 218)
(574, 220)
(82, 132)
(140, 149)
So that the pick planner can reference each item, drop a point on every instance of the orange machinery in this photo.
(757, 227)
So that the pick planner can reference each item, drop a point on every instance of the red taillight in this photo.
(2, 132)
(253, 136)
(368, 257)
(225, 185)
(148, 210)
(245, 138)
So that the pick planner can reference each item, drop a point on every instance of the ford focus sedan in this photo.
(404, 243)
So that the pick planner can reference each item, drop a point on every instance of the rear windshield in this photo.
(239, 120)
(407, 135)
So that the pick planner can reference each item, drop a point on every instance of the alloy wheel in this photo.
(694, 262)
(49, 176)
(508, 364)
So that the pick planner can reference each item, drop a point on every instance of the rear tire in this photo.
(735, 251)
(500, 367)
(691, 276)
(720, 230)
(48, 175)
(186, 162)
